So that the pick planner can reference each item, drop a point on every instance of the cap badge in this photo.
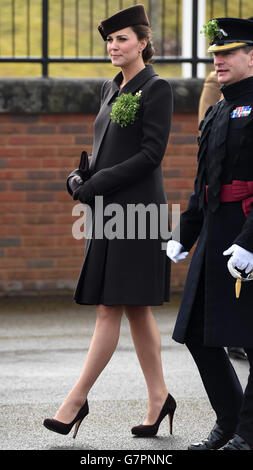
(223, 32)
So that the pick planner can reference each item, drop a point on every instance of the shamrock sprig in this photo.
(125, 108)
(211, 30)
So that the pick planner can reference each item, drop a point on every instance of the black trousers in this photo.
(233, 407)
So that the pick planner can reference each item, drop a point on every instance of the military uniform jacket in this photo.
(225, 154)
(126, 169)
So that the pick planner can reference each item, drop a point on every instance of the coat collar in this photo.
(236, 90)
(136, 82)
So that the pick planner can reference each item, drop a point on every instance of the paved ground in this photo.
(43, 344)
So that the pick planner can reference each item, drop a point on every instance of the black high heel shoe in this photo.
(65, 428)
(149, 430)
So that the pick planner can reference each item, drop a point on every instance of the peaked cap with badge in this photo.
(123, 19)
(232, 33)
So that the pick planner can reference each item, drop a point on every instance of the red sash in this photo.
(237, 191)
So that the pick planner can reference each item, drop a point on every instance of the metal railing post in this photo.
(194, 38)
(44, 38)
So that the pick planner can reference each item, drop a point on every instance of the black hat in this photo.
(122, 19)
(231, 33)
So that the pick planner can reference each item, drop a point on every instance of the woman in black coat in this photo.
(122, 272)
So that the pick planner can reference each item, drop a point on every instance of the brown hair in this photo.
(145, 32)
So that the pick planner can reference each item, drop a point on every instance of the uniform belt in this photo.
(237, 191)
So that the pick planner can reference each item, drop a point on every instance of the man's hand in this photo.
(174, 251)
(241, 258)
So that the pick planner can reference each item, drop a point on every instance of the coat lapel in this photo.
(139, 80)
(102, 122)
(103, 118)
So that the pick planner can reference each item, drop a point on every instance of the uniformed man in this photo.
(210, 95)
(216, 308)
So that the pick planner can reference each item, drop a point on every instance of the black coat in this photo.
(125, 169)
(225, 154)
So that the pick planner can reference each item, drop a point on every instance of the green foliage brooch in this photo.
(212, 30)
(125, 108)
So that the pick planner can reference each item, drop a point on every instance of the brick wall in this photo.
(37, 151)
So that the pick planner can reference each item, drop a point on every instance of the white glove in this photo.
(174, 251)
(241, 258)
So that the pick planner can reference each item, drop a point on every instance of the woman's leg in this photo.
(147, 342)
(102, 347)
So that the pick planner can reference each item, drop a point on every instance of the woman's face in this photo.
(124, 48)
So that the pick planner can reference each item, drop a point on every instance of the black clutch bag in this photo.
(82, 171)
(84, 166)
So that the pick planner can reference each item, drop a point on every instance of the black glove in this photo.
(74, 182)
(85, 192)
